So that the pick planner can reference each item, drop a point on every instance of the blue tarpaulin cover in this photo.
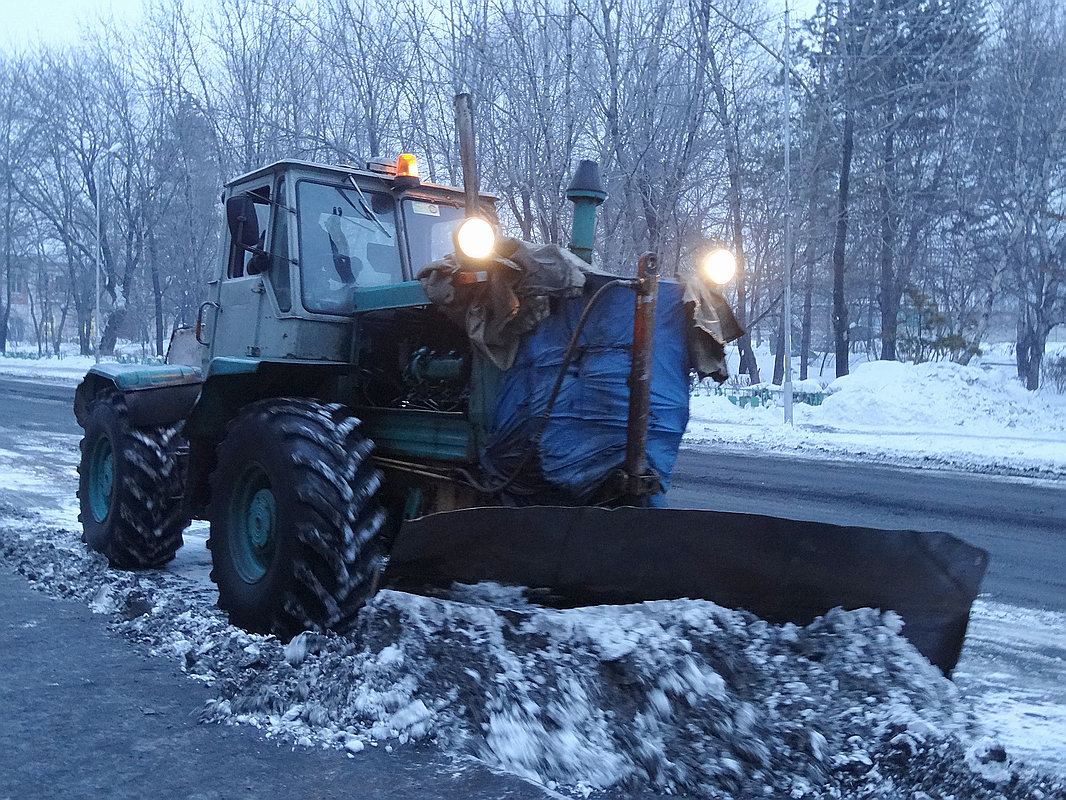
(585, 439)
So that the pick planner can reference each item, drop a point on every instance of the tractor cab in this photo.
(309, 245)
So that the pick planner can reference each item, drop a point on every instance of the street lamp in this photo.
(111, 151)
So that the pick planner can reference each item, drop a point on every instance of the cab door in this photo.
(241, 294)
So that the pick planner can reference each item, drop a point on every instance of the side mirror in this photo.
(243, 223)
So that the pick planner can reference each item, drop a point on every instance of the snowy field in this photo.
(932, 414)
(662, 697)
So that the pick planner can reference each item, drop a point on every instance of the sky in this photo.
(29, 22)
(25, 23)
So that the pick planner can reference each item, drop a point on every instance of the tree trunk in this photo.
(1029, 351)
(36, 323)
(808, 284)
(779, 353)
(840, 309)
(157, 293)
(748, 362)
(85, 342)
(5, 314)
(111, 330)
(889, 294)
(57, 334)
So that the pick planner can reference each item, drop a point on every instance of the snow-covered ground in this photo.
(668, 697)
(68, 369)
(933, 413)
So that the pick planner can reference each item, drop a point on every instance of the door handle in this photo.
(200, 320)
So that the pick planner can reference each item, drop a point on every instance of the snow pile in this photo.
(669, 697)
(915, 414)
(932, 395)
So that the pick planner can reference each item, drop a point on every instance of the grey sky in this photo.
(26, 22)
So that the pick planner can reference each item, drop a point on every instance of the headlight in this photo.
(719, 266)
(475, 238)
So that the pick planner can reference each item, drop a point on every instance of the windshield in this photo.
(429, 231)
(347, 240)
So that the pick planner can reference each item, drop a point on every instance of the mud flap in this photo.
(782, 570)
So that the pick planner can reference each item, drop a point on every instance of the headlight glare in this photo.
(475, 238)
(719, 266)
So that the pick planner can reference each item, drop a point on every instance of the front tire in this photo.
(294, 520)
(129, 487)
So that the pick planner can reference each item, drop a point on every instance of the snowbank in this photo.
(68, 369)
(668, 697)
(888, 395)
(941, 412)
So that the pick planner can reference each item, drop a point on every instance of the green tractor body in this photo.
(327, 413)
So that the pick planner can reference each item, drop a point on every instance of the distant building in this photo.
(40, 290)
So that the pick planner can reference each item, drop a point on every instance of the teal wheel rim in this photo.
(101, 478)
(254, 522)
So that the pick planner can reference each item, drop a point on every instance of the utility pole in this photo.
(787, 309)
(99, 257)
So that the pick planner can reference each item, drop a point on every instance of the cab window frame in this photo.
(307, 303)
(280, 206)
(261, 196)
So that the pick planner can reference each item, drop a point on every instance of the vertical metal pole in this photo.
(787, 310)
(464, 127)
(99, 257)
(636, 463)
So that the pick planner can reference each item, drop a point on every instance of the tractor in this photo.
(382, 390)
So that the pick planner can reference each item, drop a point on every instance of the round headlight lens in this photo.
(475, 238)
(719, 266)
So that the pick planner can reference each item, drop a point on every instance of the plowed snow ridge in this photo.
(672, 697)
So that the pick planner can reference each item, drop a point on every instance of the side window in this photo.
(238, 258)
(280, 275)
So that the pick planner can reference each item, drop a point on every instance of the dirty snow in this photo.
(668, 697)
(1011, 673)
(938, 412)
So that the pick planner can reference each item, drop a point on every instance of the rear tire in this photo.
(129, 486)
(294, 519)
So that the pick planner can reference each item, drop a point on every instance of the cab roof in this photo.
(335, 169)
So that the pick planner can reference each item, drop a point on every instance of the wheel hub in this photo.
(261, 518)
(253, 520)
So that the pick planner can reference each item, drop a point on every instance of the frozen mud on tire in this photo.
(130, 486)
(301, 471)
(679, 697)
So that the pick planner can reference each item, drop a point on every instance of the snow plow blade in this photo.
(779, 569)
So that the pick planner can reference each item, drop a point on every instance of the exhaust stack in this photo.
(586, 192)
(464, 126)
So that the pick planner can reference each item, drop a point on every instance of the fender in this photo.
(232, 383)
(155, 395)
